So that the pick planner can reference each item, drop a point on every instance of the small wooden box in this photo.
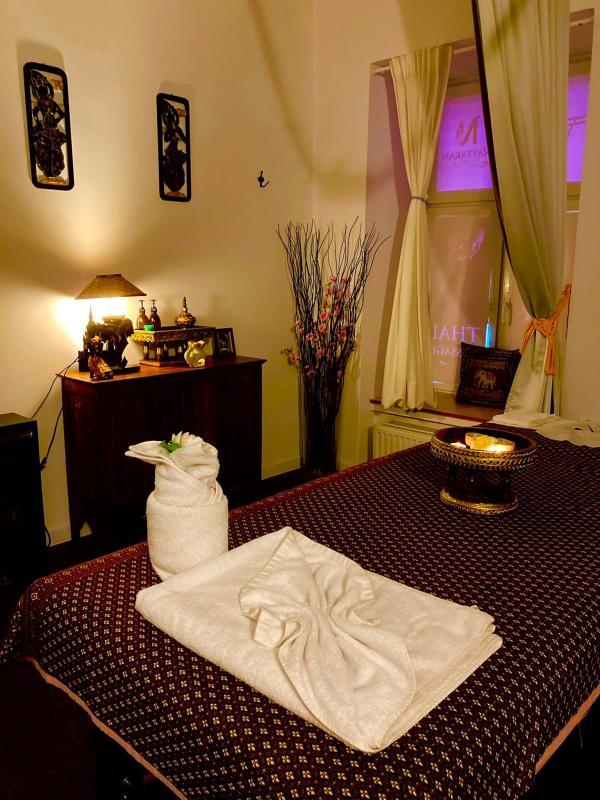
(165, 347)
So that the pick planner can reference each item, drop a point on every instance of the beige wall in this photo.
(246, 67)
(353, 178)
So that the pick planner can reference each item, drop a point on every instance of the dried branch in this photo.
(327, 276)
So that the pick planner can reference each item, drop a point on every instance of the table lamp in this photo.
(114, 329)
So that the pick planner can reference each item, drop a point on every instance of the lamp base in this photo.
(82, 364)
(124, 370)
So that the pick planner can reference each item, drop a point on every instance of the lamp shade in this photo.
(109, 286)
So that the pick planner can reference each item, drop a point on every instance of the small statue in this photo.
(99, 369)
(194, 354)
(184, 319)
(154, 318)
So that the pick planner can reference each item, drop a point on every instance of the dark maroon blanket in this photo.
(209, 734)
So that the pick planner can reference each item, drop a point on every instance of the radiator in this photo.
(389, 438)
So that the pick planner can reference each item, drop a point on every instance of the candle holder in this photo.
(478, 479)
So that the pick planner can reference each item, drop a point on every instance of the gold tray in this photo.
(172, 334)
(478, 481)
(519, 458)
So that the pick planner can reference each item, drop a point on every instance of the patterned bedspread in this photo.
(534, 570)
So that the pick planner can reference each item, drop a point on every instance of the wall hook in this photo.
(261, 180)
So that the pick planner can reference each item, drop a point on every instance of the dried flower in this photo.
(328, 304)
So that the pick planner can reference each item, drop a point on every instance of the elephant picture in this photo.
(486, 374)
(484, 379)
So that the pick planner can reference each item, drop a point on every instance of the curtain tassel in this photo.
(547, 327)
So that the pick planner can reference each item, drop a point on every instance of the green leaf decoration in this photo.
(170, 447)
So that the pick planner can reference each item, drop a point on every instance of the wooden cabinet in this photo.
(221, 403)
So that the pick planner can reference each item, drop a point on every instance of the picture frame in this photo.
(48, 126)
(174, 159)
(486, 374)
(224, 342)
(209, 334)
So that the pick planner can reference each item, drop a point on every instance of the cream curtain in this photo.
(525, 47)
(420, 81)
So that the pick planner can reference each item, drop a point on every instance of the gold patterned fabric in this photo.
(212, 736)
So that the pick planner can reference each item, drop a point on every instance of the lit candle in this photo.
(479, 441)
(502, 446)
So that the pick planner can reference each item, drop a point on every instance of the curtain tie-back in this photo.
(418, 197)
(547, 327)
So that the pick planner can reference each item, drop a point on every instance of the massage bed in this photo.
(206, 734)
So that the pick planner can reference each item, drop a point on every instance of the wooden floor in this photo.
(49, 749)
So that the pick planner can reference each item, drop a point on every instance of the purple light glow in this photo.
(463, 162)
(579, 90)
(462, 148)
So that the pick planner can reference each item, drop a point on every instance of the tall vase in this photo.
(320, 446)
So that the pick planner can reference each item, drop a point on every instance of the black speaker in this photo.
(22, 527)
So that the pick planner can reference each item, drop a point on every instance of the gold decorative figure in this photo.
(184, 319)
(99, 369)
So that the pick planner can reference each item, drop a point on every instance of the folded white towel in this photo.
(524, 418)
(187, 513)
(359, 655)
(577, 431)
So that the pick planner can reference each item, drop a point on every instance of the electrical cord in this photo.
(58, 375)
(44, 460)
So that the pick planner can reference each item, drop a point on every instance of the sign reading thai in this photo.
(447, 338)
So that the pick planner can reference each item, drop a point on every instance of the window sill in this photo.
(446, 407)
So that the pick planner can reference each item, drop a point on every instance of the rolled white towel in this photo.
(184, 476)
(186, 513)
(180, 538)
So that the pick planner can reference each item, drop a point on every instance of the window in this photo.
(579, 92)
(465, 254)
(474, 297)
